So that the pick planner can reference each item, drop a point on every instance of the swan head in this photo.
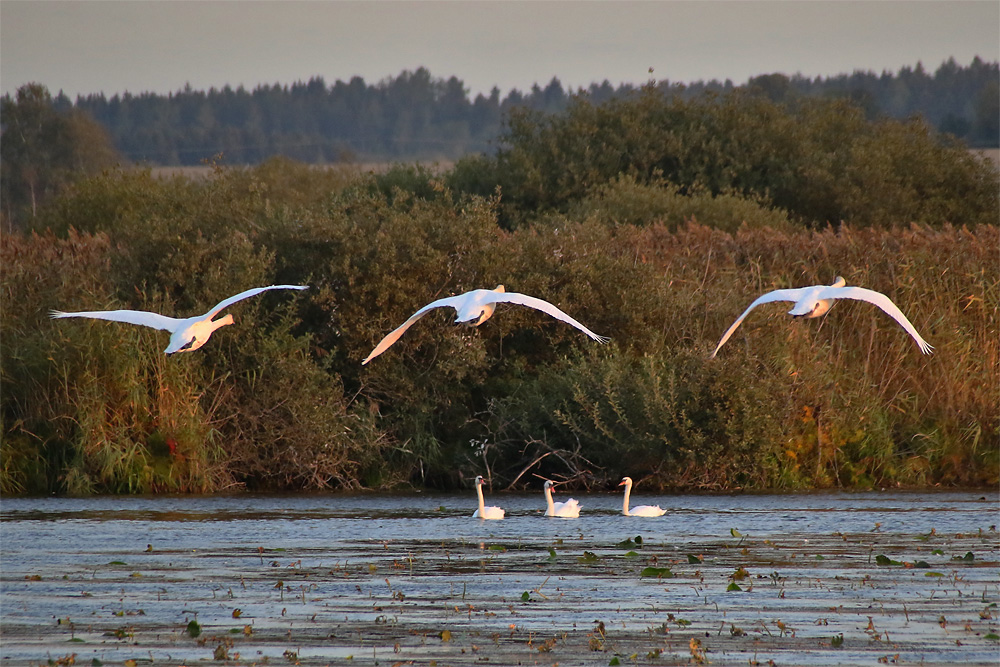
(838, 282)
(626, 481)
(479, 480)
(548, 485)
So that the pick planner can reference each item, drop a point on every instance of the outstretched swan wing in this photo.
(140, 317)
(546, 307)
(883, 302)
(777, 295)
(393, 336)
(225, 303)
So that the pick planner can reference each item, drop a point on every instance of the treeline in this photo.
(418, 116)
(655, 233)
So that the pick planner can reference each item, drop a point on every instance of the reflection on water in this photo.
(374, 577)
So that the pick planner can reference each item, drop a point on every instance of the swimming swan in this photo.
(816, 300)
(567, 510)
(485, 512)
(186, 335)
(476, 307)
(640, 510)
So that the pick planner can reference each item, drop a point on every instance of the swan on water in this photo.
(816, 300)
(476, 307)
(186, 335)
(639, 510)
(567, 510)
(485, 512)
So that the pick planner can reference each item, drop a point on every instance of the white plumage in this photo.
(639, 510)
(476, 307)
(484, 511)
(186, 335)
(816, 300)
(567, 510)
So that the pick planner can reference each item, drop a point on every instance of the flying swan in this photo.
(485, 512)
(567, 510)
(640, 510)
(476, 307)
(816, 300)
(186, 335)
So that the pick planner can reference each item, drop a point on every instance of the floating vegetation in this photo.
(631, 543)
(658, 572)
(338, 592)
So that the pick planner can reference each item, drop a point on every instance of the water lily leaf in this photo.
(735, 533)
(525, 597)
(922, 564)
(696, 560)
(552, 553)
(631, 554)
(733, 586)
(615, 661)
(588, 557)
(445, 635)
(193, 628)
(658, 572)
(968, 557)
(882, 559)
(497, 547)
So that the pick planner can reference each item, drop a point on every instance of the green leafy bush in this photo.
(820, 160)
(651, 237)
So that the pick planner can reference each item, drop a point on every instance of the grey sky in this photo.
(159, 46)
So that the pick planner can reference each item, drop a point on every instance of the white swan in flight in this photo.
(186, 335)
(816, 300)
(639, 510)
(567, 510)
(476, 307)
(485, 512)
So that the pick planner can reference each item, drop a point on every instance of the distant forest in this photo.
(415, 116)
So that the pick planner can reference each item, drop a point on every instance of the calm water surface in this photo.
(379, 578)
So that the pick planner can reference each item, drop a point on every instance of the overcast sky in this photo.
(159, 46)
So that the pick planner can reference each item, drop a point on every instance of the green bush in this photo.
(659, 249)
(820, 160)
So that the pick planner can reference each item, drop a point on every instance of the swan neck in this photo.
(482, 502)
(548, 500)
(221, 322)
(628, 492)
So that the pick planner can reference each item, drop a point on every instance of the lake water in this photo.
(899, 576)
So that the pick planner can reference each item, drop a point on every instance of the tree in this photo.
(44, 150)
